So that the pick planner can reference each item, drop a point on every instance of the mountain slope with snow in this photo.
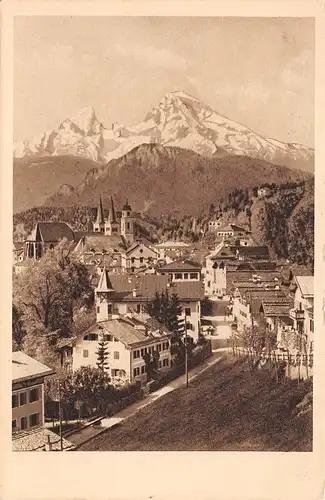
(178, 120)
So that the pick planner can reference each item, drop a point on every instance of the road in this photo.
(90, 432)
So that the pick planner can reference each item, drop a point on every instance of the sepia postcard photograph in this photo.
(163, 234)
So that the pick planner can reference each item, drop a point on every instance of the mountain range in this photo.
(163, 179)
(179, 120)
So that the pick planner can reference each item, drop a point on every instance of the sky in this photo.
(256, 71)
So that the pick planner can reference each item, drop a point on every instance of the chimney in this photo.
(48, 446)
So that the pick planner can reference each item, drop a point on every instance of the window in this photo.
(98, 309)
(91, 336)
(189, 326)
(132, 260)
(193, 276)
(143, 369)
(178, 276)
(136, 372)
(138, 308)
(85, 353)
(109, 308)
(141, 260)
(107, 338)
(23, 423)
(33, 395)
(14, 401)
(311, 326)
(132, 269)
(187, 311)
(116, 355)
(185, 276)
(141, 250)
(115, 373)
(136, 354)
(159, 347)
(22, 399)
(165, 346)
(165, 362)
(14, 425)
(159, 364)
(33, 419)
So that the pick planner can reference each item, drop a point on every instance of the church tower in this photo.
(112, 226)
(99, 224)
(127, 223)
(103, 296)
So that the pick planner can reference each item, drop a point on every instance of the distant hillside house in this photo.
(122, 294)
(214, 224)
(45, 236)
(138, 256)
(181, 270)
(232, 230)
(171, 250)
(127, 338)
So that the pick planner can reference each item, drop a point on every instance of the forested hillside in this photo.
(283, 219)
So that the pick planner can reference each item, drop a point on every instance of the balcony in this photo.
(297, 314)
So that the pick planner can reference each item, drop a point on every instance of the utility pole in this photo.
(60, 417)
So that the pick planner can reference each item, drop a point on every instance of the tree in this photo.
(51, 288)
(92, 387)
(102, 354)
(151, 361)
(18, 331)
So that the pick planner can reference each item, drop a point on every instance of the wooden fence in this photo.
(295, 365)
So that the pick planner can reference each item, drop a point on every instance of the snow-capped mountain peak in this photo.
(178, 119)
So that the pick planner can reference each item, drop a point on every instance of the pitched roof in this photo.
(18, 245)
(36, 439)
(25, 367)
(306, 285)
(104, 284)
(51, 232)
(239, 228)
(131, 330)
(253, 251)
(172, 244)
(146, 286)
(136, 245)
(184, 265)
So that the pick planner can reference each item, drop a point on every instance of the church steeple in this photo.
(100, 212)
(99, 224)
(112, 214)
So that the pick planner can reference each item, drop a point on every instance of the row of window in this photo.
(33, 420)
(143, 369)
(85, 352)
(95, 337)
(186, 276)
(243, 313)
(145, 350)
(25, 397)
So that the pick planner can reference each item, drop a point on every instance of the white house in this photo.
(127, 339)
(122, 294)
(138, 256)
(171, 250)
(181, 270)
